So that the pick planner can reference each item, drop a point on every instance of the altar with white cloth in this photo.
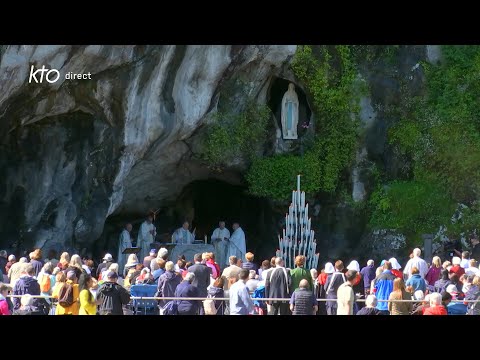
(188, 250)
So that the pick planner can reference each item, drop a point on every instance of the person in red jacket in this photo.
(396, 268)
(456, 268)
(436, 307)
(211, 260)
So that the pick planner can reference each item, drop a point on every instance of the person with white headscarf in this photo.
(357, 285)
(322, 279)
(396, 268)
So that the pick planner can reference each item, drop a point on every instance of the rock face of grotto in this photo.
(78, 158)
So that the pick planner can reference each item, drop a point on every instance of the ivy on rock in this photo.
(329, 75)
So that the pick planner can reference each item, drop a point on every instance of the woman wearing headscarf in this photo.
(322, 280)
(396, 268)
(357, 287)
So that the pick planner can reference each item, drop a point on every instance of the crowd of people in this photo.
(72, 285)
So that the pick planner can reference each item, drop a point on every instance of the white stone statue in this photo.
(290, 113)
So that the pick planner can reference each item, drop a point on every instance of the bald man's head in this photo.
(303, 284)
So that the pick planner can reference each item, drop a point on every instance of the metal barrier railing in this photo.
(257, 299)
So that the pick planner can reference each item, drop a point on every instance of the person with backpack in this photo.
(111, 296)
(68, 296)
(47, 281)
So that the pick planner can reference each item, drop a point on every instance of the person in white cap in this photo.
(418, 262)
(107, 261)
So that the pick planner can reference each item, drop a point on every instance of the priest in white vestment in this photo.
(183, 235)
(125, 242)
(146, 236)
(237, 246)
(220, 238)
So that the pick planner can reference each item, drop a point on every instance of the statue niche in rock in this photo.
(290, 113)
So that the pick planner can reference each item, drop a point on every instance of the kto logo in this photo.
(51, 75)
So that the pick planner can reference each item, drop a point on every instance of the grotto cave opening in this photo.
(204, 203)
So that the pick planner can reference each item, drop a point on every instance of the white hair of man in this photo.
(370, 262)
(435, 299)
(371, 301)
(169, 266)
(23, 260)
(11, 258)
(26, 300)
(314, 273)
(419, 295)
(252, 274)
(162, 252)
(113, 267)
(278, 261)
(417, 252)
(189, 277)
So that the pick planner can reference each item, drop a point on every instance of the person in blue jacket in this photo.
(383, 287)
(416, 281)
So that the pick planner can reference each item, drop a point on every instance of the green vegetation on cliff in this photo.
(439, 134)
(236, 135)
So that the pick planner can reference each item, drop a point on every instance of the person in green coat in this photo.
(300, 273)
